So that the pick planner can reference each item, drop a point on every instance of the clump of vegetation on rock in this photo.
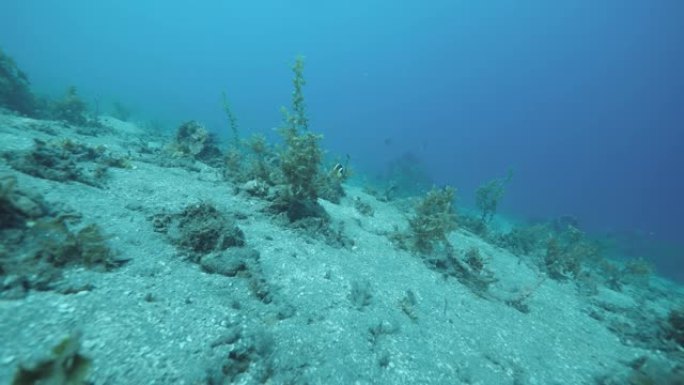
(63, 247)
(194, 141)
(213, 240)
(200, 229)
(67, 160)
(38, 244)
(15, 90)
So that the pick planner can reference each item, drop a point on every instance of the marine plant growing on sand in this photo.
(488, 195)
(300, 159)
(567, 253)
(263, 157)
(70, 108)
(234, 155)
(232, 120)
(433, 219)
(300, 163)
(296, 119)
(524, 239)
(295, 167)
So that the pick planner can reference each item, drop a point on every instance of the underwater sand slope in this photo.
(152, 299)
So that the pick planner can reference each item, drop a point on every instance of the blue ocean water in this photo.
(584, 100)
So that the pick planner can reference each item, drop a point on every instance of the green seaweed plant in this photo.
(434, 218)
(61, 247)
(262, 155)
(298, 119)
(300, 161)
(569, 253)
(232, 120)
(488, 195)
(70, 108)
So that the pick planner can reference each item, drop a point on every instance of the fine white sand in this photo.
(160, 319)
